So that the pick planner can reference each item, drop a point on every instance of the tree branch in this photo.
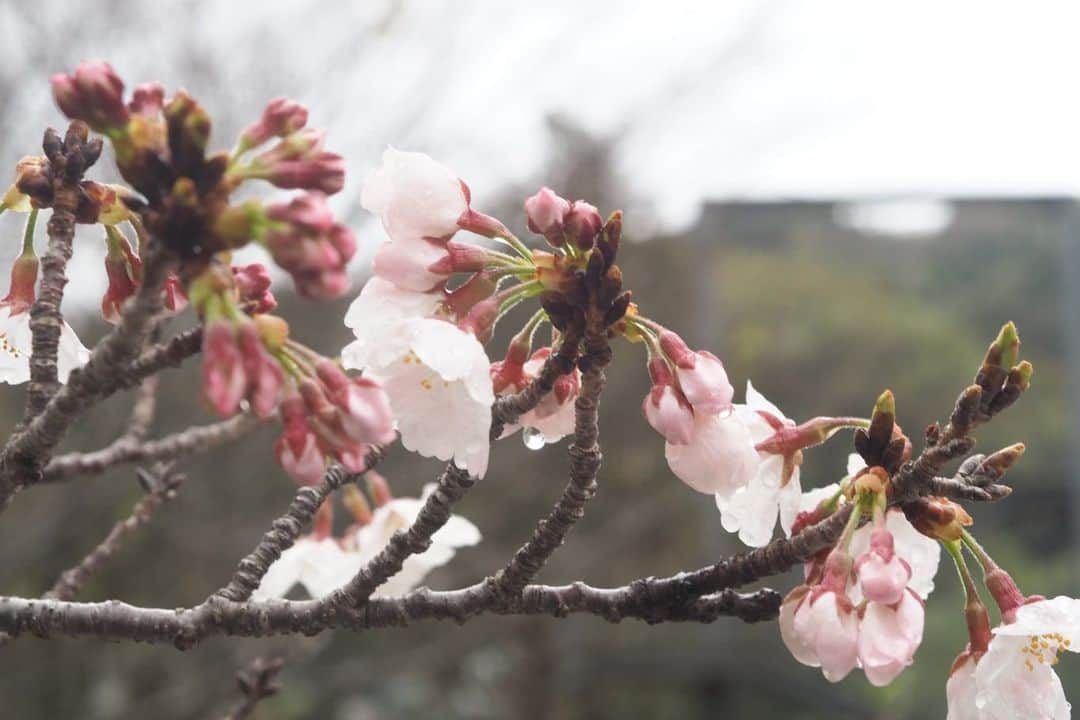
(585, 459)
(161, 486)
(128, 449)
(26, 453)
(258, 682)
(68, 160)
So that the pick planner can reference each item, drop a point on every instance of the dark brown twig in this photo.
(129, 449)
(258, 682)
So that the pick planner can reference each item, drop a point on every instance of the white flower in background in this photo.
(752, 510)
(414, 196)
(319, 565)
(1015, 678)
(322, 565)
(16, 344)
(400, 514)
(437, 379)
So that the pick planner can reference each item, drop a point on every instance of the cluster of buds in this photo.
(563, 223)
(302, 237)
(862, 604)
(161, 151)
(38, 177)
(329, 414)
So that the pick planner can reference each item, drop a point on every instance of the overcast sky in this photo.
(728, 99)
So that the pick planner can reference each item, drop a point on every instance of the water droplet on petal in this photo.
(533, 438)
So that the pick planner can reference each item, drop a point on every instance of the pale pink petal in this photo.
(720, 458)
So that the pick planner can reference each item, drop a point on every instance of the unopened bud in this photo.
(608, 244)
(1000, 462)
(273, 330)
(937, 517)
(583, 224)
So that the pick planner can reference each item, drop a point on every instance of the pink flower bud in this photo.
(252, 284)
(305, 242)
(224, 380)
(546, 213)
(297, 450)
(265, 377)
(94, 93)
(883, 575)
(147, 100)
(175, 298)
(24, 274)
(324, 172)
(583, 224)
(365, 409)
(280, 118)
(700, 374)
(820, 628)
(121, 287)
(665, 407)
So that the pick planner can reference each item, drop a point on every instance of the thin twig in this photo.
(258, 682)
(161, 487)
(193, 441)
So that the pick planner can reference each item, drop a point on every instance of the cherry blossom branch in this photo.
(68, 160)
(257, 682)
(284, 531)
(160, 486)
(170, 353)
(509, 408)
(129, 449)
(450, 486)
(585, 459)
(185, 628)
(26, 453)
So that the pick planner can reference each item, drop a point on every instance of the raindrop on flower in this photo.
(533, 438)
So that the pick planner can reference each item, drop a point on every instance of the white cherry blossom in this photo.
(322, 565)
(400, 514)
(1015, 678)
(415, 196)
(752, 511)
(437, 379)
(16, 344)
(720, 457)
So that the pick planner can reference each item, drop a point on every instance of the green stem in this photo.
(518, 246)
(985, 561)
(955, 549)
(852, 525)
(28, 234)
